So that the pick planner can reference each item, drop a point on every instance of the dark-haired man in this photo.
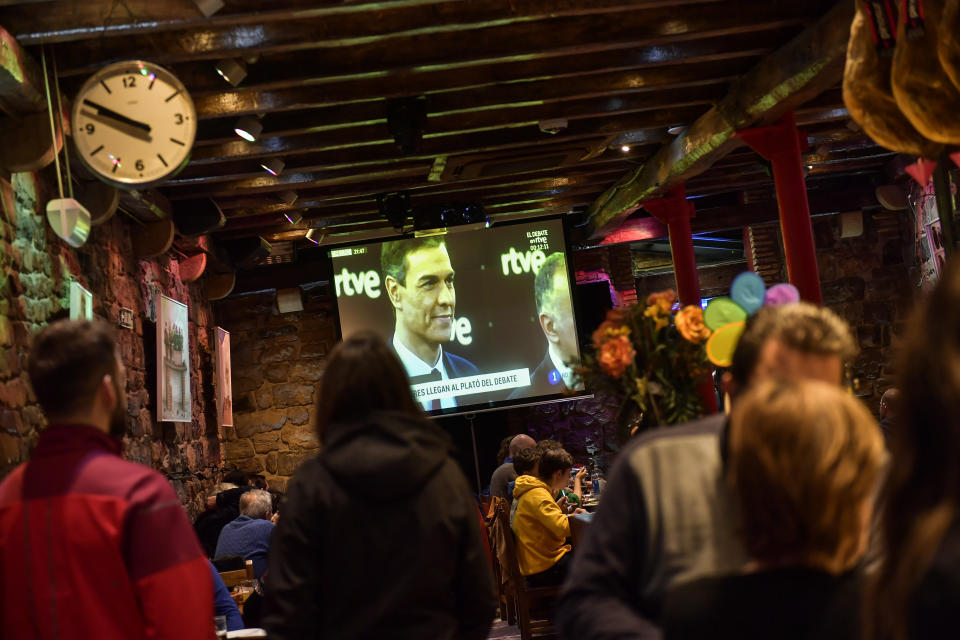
(667, 515)
(554, 374)
(418, 278)
(93, 546)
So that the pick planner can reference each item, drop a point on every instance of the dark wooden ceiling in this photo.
(491, 70)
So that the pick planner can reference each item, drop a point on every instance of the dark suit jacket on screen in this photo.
(540, 382)
(458, 367)
(455, 366)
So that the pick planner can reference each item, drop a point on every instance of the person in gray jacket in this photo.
(667, 515)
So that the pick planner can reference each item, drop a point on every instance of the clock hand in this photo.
(109, 113)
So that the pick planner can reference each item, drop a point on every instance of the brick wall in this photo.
(36, 269)
(277, 361)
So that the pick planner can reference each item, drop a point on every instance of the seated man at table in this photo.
(539, 524)
(249, 535)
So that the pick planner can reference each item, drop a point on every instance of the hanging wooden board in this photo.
(27, 143)
(100, 199)
(219, 285)
(193, 267)
(153, 238)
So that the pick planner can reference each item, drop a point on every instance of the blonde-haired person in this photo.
(804, 461)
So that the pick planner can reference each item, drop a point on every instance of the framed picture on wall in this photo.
(224, 384)
(81, 302)
(173, 362)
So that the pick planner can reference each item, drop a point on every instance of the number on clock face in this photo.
(134, 123)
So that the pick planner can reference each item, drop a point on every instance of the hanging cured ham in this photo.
(921, 87)
(869, 97)
(948, 44)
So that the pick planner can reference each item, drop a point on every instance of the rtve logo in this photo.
(519, 262)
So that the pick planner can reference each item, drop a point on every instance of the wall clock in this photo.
(134, 124)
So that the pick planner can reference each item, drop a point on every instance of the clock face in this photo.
(134, 123)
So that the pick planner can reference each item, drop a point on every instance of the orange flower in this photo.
(689, 323)
(616, 354)
(608, 329)
(663, 300)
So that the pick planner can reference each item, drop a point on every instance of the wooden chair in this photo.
(505, 601)
(524, 596)
(234, 578)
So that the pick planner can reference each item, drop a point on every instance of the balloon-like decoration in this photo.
(727, 317)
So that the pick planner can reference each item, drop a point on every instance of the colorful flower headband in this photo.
(727, 316)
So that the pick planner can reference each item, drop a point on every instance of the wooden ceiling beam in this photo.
(659, 109)
(804, 68)
(350, 44)
(277, 72)
(329, 200)
(314, 109)
(305, 166)
(72, 20)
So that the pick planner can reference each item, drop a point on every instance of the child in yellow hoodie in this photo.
(540, 525)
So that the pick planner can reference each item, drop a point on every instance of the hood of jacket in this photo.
(387, 456)
(528, 483)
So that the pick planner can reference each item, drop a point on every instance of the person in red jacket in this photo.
(93, 546)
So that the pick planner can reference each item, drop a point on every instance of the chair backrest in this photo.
(509, 563)
(234, 578)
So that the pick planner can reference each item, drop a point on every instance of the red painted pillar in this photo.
(782, 145)
(674, 211)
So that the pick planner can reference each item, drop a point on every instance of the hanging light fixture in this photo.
(233, 70)
(248, 128)
(287, 197)
(312, 232)
(208, 7)
(292, 217)
(273, 166)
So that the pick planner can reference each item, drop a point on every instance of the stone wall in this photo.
(867, 281)
(277, 361)
(36, 269)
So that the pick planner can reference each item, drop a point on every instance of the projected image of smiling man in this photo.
(418, 278)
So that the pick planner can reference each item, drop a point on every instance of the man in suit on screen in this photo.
(551, 290)
(418, 278)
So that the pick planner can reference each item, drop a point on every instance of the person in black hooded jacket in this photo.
(380, 535)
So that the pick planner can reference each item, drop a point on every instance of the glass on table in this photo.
(220, 626)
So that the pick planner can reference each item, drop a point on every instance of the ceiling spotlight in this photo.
(310, 236)
(208, 7)
(287, 197)
(625, 148)
(273, 166)
(293, 217)
(248, 128)
(233, 70)
(677, 130)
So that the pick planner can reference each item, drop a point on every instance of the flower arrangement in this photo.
(652, 359)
